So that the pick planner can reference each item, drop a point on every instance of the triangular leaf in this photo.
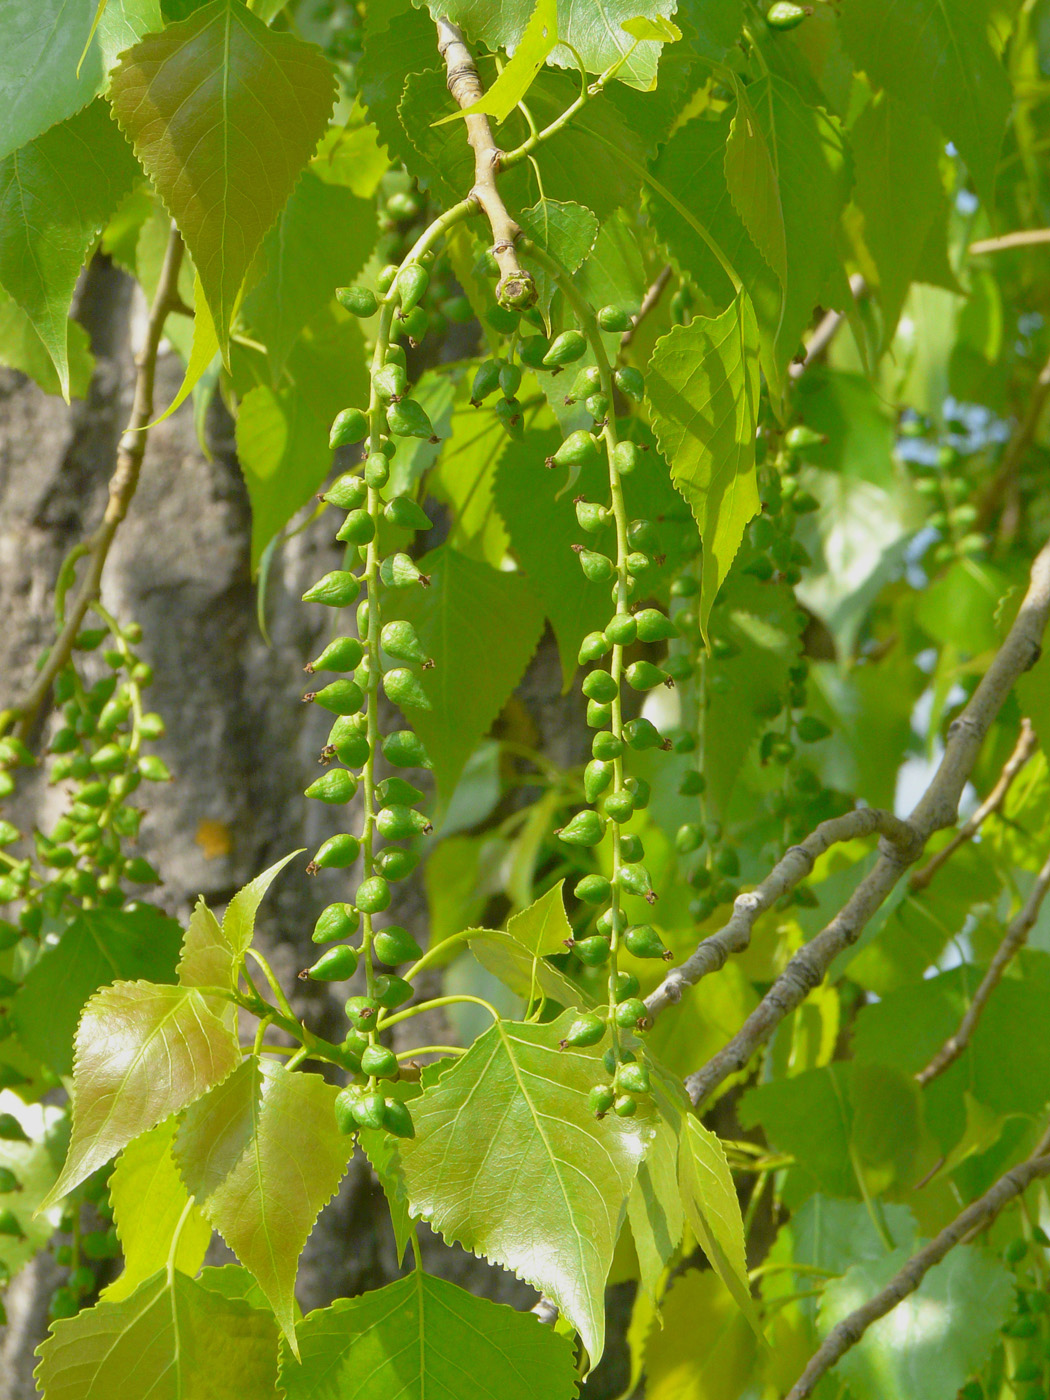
(56, 194)
(422, 1338)
(212, 953)
(754, 186)
(654, 1207)
(223, 114)
(261, 1155)
(564, 230)
(202, 352)
(149, 1202)
(516, 1097)
(702, 387)
(518, 956)
(171, 1340)
(143, 1052)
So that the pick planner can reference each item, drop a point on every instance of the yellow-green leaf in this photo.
(541, 35)
(212, 953)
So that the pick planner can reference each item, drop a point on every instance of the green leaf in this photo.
(22, 349)
(654, 1207)
(565, 231)
(149, 1202)
(171, 1340)
(515, 1097)
(518, 956)
(896, 154)
(143, 1052)
(540, 36)
(282, 434)
(422, 1337)
(540, 519)
(56, 194)
(936, 57)
(753, 178)
(40, 46)
(963, 1300)
(212, 954)
(594, 31)
(381, 1149)
(261, 1156)
(203, 351)
(660, 30)
(705, 1349)
(34, 1163)
(322, 239)
(702, 388)
(481, 626)
(223, 114)
(713, 1211)
(99, 946)
(808, 1115)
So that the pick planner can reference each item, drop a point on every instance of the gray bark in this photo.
(240, 743)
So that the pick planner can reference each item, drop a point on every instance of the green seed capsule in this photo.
(508, 411)
(531, 351)
(599, 715)
(626, 986)
(784, 15)
(349, 741)
(403, 512)
(565, 350)
(337, 853)
(619, 807)
(810, 729)
(599, 685)
(8, 1181)
(396, 791)
(349, 426)
(414, 324)
(629, 381)
(391, 382)
(597, 568)
(640, 790)
(638, 563)
(400, 640)
(615, 319)
(588, 381)
(334, 965)
(633, 1079)
(378, 1062)
(799, 437)
(361, 1012)
(345, 1103)
(397, 823)
(591, 516)
(636, 879)
(592, 952)
(585, 829)
(397, 1119)
(692, 784)
(395, 863)
(341, 697)
(334, 787)
(405, 689)
(391, 991)
(377, 470)
(643, 675)
(622, 629)
(625, 1106)
(600, 1100)
(580, 449)
(631, 848)
(629, 1012)
(342, 654)
(593, 889)
(502, 319)
(335, 590)
(404, 749)
(395, 945)
(688, 838)
(337, 922)
(358, 528)
(368, 1110)
(597, 405)
(359, 301)
(587, 1030)
(137, 871)
(509, 380)
(606, 746)
(412, 282)
(486, 381)
(596, 778)
(409, 419)
(11, 1129)
(644, 942)
(399, 571)
(593, 647)
(373, 895)
(640, 734)
(108, 758)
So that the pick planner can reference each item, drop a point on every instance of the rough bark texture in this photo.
(240, 743)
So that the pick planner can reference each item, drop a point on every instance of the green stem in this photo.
(384, 1022)
(430, 1050)
(431, 955)
(275, 986)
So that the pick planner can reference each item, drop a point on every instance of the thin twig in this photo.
(652, 296)
(1019, 442)
(826, 331)
(936, 809)
(517, 286)
(1013, 940)
(1020, 239)
(796, 863)
(1027, 744)
(980, 1213)
(122, 487)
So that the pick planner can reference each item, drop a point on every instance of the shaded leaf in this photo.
(143, 1052)
(565, 231)
(22, 349)
(509, 1162)
(702, 387)
(149, 1200)
(754, 186)
(261, 1156)
(422, 1337)
(705, 1349)
(56, 194)
(223, 114)
(655, 1207)
(171, 1340)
